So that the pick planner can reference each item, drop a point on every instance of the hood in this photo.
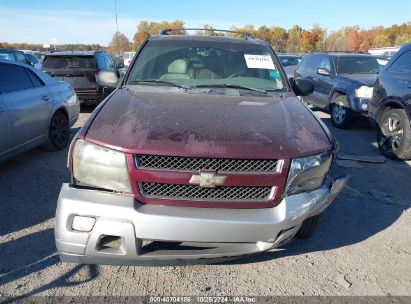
(362, 79)
(204, 125)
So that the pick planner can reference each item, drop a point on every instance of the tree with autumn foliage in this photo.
(209, 31)
(119, 43)
(279, 39)
(354, 40)
(293, 40)
(313, 39)
(248, 29)
(146, 29)
(264, 33)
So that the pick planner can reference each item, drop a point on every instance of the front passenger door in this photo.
(311, 74)
(325, 82)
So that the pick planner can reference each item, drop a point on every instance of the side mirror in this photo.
(323, 72)
(120, 66)
(302, 87)
(107, 79)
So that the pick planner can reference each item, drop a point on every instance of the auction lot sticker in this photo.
(259, 62)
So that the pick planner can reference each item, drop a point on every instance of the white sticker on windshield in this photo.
(259, 62)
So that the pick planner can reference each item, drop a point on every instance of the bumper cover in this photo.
(89, 95)
(359, 105)
(180, 234)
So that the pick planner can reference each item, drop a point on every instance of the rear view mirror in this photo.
(107, 79)
(323, 72)
(302, 87)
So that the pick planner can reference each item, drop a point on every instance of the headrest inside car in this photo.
(178, 66)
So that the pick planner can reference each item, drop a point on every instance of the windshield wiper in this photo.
(181, 86)
(233, 86)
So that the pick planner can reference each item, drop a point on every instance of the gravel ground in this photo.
(362, 245)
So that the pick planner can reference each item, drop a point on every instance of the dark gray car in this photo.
(81, 69)
(35, 110)
(343, 83)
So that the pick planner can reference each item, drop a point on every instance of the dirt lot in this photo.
(362, 245)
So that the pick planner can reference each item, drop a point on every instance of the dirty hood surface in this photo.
(204, 125)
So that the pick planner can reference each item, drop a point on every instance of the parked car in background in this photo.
(387, 52)
(14, 55)
(390, 106)
(290, 63)
(343, 83)
(119, 61)
(289, 60)
(128, 56)
(35, 110)
(80, 69)
(382, 61)
(41, 55)
(203, 151)
(34, 61)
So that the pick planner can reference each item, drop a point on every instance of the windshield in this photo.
(357, 65)
(192, 63)
(64, 62)
(289, 60)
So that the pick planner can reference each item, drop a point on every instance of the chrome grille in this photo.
(179, 163)
(222, 193)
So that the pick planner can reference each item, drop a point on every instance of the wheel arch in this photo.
(388, 105)
(62, 109)
(334, 94)
(49, 144)
(403, 150)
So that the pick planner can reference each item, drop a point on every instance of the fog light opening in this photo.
(83, 223)
(364, 106)
(108, 242)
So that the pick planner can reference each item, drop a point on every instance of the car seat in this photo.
(176, 70)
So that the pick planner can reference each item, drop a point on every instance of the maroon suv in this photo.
(202, 151)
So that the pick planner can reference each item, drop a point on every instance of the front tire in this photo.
(394, 134)
(340, 115)
(59, 132)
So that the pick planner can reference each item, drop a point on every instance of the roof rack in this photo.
(168, 30)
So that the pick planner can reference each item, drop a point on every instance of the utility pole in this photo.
(117, 32)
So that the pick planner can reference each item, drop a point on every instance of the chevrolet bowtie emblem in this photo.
(207, 180)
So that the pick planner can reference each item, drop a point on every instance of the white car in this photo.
(128, 56)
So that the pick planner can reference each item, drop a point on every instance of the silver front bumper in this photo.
(201, 233)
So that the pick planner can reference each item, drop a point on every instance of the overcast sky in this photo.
(93, 21)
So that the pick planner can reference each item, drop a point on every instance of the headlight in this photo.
(364, 92)
(100, 167)
(308, 173)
